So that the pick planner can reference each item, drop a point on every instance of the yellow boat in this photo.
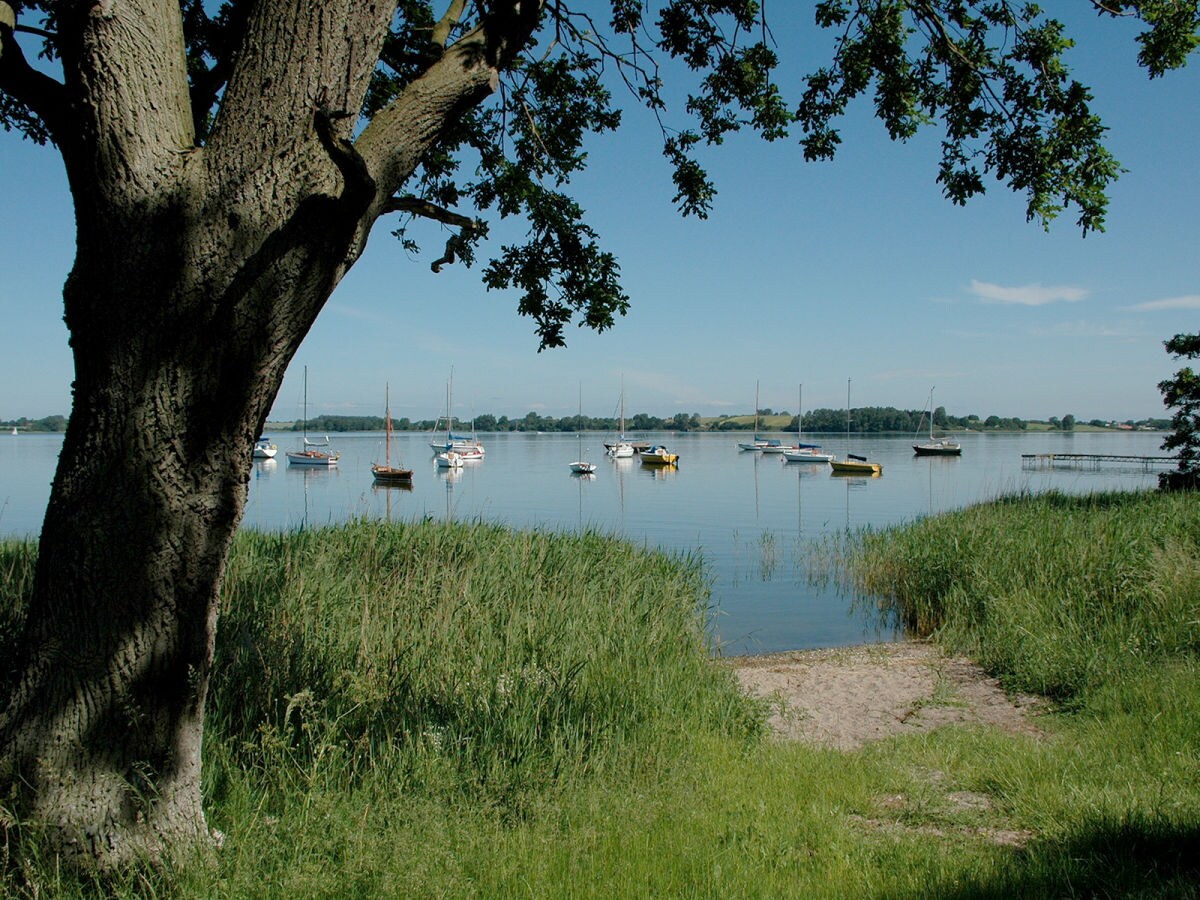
(658, 456)
(855, 467)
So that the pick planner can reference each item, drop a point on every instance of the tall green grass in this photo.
(1056, 593)
(460, 657)
(465, 711)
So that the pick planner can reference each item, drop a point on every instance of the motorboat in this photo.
(263, 449)
(658, 456)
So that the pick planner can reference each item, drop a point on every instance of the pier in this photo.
(1095, 461)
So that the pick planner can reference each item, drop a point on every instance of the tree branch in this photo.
(292, 56)
(400, 134)
(452, 16)
(359, 187)
(41, 94)
(418, 206)
(471, 229)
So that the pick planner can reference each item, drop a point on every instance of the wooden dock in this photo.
(1094, 461)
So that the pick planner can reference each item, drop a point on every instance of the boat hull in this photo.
(937, 449)
(854, 467)
(314, 458)
(807, 456)
(659, 458)
(391, 475)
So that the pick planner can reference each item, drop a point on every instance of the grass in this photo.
(454, 710)
(1057, 594)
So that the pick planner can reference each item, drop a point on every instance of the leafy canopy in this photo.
(991, 74)
(1182, 394)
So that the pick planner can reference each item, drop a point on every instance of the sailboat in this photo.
(802, 452)
(759, 442)
(621, 448)
(581, 466)
(309, 455)
(464, 447)
(853, 465)
(936, 446)
(387, 473)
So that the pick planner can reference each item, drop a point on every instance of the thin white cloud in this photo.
(1026, 294)
(354, 312)
(1082, 330)
(1188, 301)
(924, 374)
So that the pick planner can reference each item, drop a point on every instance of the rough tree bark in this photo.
(199, 270)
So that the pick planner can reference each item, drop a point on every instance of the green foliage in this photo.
(669, 797)
(1172, 35)
(1182, 394)
(343, 423)
(1057, 594)
(465, 655)
(991, 72)
(995, 76)
(45, 424)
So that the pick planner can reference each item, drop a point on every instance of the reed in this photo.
(1056, 593)
(464, 711)
(463, 657)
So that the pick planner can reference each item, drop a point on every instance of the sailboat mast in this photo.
(387, 424)
(847, 412)
(622, 407)
(304, 421)
(756, 410)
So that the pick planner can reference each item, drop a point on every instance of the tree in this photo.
(226, 169)
(1182, 394)
(1068, 422)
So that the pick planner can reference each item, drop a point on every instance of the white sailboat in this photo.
(759, 442)
(581, 466)
(466, 447)
(621, 448)
(802, 452)
(309, 455)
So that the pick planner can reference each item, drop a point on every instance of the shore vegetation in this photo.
(447, 709)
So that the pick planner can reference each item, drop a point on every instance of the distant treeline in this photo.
(48, 424)
(489, 423)
(869, 419)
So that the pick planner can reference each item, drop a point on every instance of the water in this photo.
(752, 517)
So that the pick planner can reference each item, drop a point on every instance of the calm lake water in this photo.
(751, 517)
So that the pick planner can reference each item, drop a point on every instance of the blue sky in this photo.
(804, 273)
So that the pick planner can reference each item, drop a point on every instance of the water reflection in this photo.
(756, 530)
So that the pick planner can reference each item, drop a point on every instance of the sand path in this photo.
(845, 697)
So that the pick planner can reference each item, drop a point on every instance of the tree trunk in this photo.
(198, 273)
(102, 735)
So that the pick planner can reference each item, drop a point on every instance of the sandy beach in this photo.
(845, 697)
